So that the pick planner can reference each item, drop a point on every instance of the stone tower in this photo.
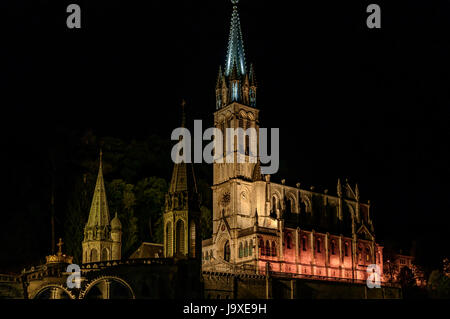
(233, 187)
(102, 239)
(182, 213)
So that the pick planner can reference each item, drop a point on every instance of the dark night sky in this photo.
(369, 105)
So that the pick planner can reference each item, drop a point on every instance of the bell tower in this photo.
(181, 217)
(236, 108)
(101, 241)
(235, 174)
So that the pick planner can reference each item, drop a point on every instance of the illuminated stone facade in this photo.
(257, 221)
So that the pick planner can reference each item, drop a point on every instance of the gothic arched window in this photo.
(246, 249)
(241, 251)
(226, 251)
(262, 252)
(250, 248)
(318, 245)
(274, 249)
(346, 249)
(304, 243)
(94, 255)
(169, 244)
(288, 206)
(222, 127)
(247, 145)
(333, 252)
(267, 248)
(274, 206)
(192, 239)
(288, 241)
(180, 237)
(302, 207)
(104, 254)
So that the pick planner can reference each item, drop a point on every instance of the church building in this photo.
(258, 223)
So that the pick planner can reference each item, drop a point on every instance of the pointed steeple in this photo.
(181, 217)
(99, 213)
(183, 178)
(219, 79)
(236, 54)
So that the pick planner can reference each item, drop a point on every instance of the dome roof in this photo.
(115, 223)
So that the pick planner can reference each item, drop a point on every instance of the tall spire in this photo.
(236, 52)
(183, 178)
(99, 213)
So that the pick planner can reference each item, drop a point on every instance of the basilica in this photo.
(269, 240)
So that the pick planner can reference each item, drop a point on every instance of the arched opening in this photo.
(273, 212)
(333, 248)
(346, 249)
(104, 254)
(262, 252)
(250, 248)
(302, 207)
(288, 241)
(94, 255)
(53, 292)
(246, 249)
(267, 248)
(304, 247)
(180, 249)
(274, 249)
(169, 244)
(288, 206)
(318, 245)
(226, 251)
(109, 288)
(192, 239)
(241, 251)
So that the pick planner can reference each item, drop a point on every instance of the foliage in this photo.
(136, 180)
(439, 285)
(150, 194)
(122, 200)
(76, 216)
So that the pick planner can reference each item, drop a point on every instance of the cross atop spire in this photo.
(236, 54)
